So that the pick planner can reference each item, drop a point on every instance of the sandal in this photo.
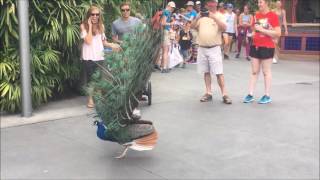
(206, 98)
(226, 99)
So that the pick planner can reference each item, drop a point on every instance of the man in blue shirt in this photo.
(166, 24)
(191, 13)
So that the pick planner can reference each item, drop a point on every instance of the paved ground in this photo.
(197, 140)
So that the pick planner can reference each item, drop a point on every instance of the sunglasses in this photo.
(125, 10)
(95, 14)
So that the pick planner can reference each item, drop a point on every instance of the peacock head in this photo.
(102, 132)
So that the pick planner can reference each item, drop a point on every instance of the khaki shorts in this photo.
(210, 60)
(166, 37)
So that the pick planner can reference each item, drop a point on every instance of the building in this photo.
(303, 17)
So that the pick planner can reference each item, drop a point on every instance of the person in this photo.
(245, 22)
(266, 29)
(94, 40)
(166, 23)
(210, 27)
(221, 8)
(191, 14)
(155, 20)
(281, 13)
(234, 42)
(231, 30)
(184, 39)
(198, 7)
(125, 24)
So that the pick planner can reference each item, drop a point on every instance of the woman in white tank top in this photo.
(94, 40)
(231, 30)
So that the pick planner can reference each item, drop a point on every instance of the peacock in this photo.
(116, 87)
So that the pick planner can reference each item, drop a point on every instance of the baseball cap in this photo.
(229, 5)
(172, 4)
(212, 3)
(190, 3)
(198, 2)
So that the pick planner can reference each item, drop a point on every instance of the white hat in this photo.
(172, 4)
(190, 3)
(198, 2)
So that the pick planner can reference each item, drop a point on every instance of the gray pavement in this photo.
(196, 140)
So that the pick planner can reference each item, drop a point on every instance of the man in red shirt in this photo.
(266, 30)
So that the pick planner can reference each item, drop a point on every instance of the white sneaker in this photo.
(274, 61)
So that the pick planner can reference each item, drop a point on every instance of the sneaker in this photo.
(183, 65)
(248, 58)
(265, 100)
(274, 61)
(156, 66)
(226, 57)
(238, 55)
(164, 70)
(249, 98)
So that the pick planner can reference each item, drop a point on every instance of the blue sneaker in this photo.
(249, 98)
(265, 100)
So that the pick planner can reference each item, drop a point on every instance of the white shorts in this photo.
(210, 60)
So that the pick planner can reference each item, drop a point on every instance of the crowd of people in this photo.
(204, 33)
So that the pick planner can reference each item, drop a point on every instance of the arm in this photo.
(236, 25)
(88, 35)
(221, 23)
(274, 33)
(178, 36)
(285, 22)
(240, 20)
(251, 21)
(195, 23)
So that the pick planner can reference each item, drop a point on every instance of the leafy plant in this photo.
(54, 37)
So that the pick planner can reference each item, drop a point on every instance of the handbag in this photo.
(175, 57)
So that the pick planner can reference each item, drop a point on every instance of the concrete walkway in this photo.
(196, 140)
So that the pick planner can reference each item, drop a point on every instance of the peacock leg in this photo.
(123, 154)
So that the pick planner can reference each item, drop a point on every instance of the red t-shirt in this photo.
(268, 21)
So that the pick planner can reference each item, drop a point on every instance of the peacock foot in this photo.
(123, 154)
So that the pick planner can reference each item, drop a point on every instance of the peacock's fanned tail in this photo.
(118, 83)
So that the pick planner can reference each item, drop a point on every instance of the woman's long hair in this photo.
(100, 20)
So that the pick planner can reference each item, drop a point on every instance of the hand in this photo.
(213, 16)
(286, 33)
(115, 47)
(89, 22)
(258, 28)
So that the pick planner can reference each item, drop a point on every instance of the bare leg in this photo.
(255, 70)
(165, 55)
(276, 53)
(207, 80)
(266, 69)
(220, 78)
(90, 103)
(226, 44)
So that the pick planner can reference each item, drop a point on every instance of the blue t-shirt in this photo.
(167, 14)
(191, 15)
